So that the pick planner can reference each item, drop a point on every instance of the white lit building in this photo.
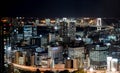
(112, 64)
(77, 52)
(55, 53)
(98, 56)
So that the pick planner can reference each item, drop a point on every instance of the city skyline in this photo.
(67, 43)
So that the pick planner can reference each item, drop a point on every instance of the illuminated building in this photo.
(98, 56)
(17, 55)
(51, 37)
(35, 41)
(99, 23)
(72, 63)
(27, 31)
(109, 63)
(32, 60)
(55, 53)
(69, 63)
(112, 64)
(21, 60)
(75, 63)
(68, 28)
(72, 30)
(77, 53)
(47, 21)
(37, 22)
(63, 29)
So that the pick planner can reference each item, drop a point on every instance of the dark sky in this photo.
(61, 8)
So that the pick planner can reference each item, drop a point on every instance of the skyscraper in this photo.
(71, 30)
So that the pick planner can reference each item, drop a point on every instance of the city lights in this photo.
(62, 44)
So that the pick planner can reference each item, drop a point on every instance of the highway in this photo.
(31, 68)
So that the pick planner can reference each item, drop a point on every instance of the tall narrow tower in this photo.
(99, 23)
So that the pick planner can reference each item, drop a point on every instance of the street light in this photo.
(91, 69)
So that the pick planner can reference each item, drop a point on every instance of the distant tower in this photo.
(67, 28)
(63, 29)
(37, 22)
(17, 54)
(32, 60)
(71, 30)
(99, 23)
(47, 21)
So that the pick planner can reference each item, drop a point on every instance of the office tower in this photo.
(98, 56)
(51, 37)
(69, 63)
(64, 32)
(109, 63)
(17, 54)
(88, 61)
(24, 58)
(34, 30)
(72, 30)
(76, 52)
(32, 60)
(37, 22)
(35, 41)
(114, 64)
(47, 21)
(75, 63)
(48, 62)
(21, 60)
(63, 29)
(55, 53)
(43, 40)
(27, 32)
(37, 59)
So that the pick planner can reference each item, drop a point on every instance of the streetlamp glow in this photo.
(91, 69)
(113, 69)
(55, 27)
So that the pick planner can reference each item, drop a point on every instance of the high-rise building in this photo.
(77, 52)
(21, 60)
(99, 23)
(75, 63)
(55, 53)
(68, 29)
(63, 29)
(98, 56)
(47, 21)
(27, 31)
(17, 55)
(51, 37)
(69, 63)
(32, 60)
(71, 30)
(35, 41)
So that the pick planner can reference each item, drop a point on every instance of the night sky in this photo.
(61, 8)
